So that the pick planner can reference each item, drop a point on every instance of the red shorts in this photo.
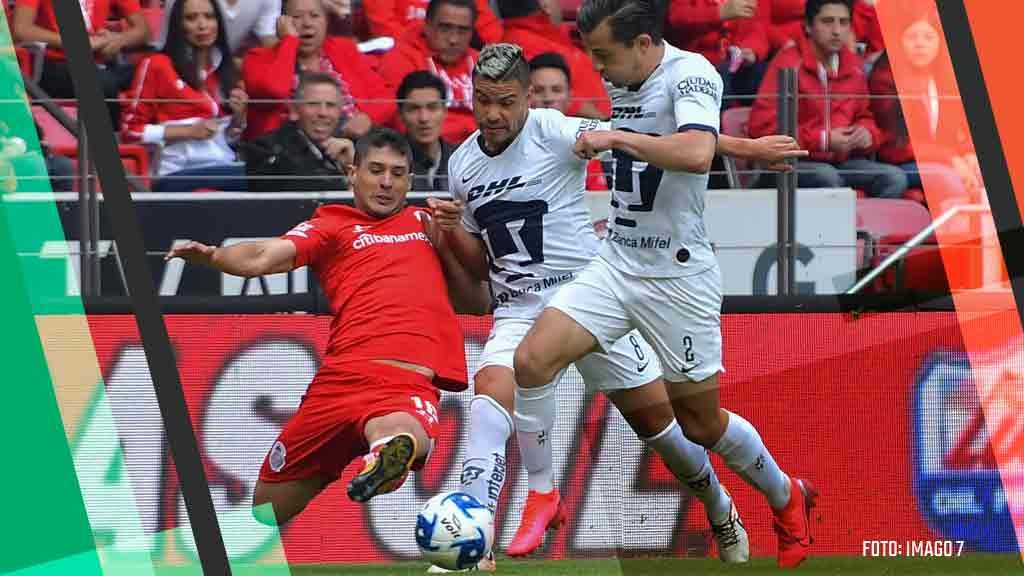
(326, 433)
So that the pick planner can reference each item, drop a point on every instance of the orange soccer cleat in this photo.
(541, 513)
(386, 468)
(792, 524)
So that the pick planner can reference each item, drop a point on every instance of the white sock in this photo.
(485, 467)
(745, 453)
(690, 464)
(535, 450)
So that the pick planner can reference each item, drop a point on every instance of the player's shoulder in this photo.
(690, 72)
(465, 152)
(543, 122)
(682, 64)
(333, 215)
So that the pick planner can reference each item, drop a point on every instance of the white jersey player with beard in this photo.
(524, 202)
(527, 205)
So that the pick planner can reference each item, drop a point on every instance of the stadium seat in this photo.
(61, 142)
(885, 225)
(734, 123)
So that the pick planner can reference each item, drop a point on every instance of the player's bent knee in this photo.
(532, 369)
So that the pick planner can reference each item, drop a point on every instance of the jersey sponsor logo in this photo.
(366, 240)
(359, 228)
(499, 187)
(507, 296)
(631, 113)
(277, 456)
(471, 472)
(697, 85)
(300, 230)
(641, 242)
(587, 126)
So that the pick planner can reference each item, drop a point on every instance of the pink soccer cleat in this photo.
(792, 524)
(542, 512)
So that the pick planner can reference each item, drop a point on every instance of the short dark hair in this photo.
(551, 60)
(501, 62)
(435, 5)
(311, 78)
(626, 18)
(517, 8)
(420, 79)
(813, 7)
(380, 137)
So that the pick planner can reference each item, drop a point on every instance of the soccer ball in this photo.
(454, 531)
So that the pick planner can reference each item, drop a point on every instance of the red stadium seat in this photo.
(734, 123)
(63, 143)
(891, 223)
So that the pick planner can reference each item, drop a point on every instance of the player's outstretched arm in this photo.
(246, 259)
(771, 152)
(688, 151)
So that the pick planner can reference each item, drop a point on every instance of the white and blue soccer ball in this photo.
(454, 531)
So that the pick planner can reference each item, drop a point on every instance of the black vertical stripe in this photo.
(998, 185)
(155, 340)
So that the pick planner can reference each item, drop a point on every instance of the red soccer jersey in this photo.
(95, 12)
(387, 290)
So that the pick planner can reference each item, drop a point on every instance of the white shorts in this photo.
(680, 317)
(630, 363)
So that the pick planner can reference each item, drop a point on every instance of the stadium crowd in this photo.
(246, 95)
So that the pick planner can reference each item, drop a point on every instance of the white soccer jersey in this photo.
(656, 226)
(527, 204)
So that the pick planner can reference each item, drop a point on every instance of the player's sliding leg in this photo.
(397, 441)
(286, 499)
(649, 414)
(734, 439)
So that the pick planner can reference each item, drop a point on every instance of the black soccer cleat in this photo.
(387, 470)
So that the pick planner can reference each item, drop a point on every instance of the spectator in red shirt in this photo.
(392, 18)
(731, 34)
(272, 73)
(942, 144)
(550, 81)
(441, 46)
(530, 27)
(35, 21)
(836, 123)
(867, 31)
(784, 20)
(177, 102)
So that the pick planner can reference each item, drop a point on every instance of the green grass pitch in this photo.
(981, 564)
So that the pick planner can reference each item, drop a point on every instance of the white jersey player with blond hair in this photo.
(522, 222)
(656, 271)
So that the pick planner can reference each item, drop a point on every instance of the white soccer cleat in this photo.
(731, 537)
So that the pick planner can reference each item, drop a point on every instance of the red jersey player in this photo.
(394, 340)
